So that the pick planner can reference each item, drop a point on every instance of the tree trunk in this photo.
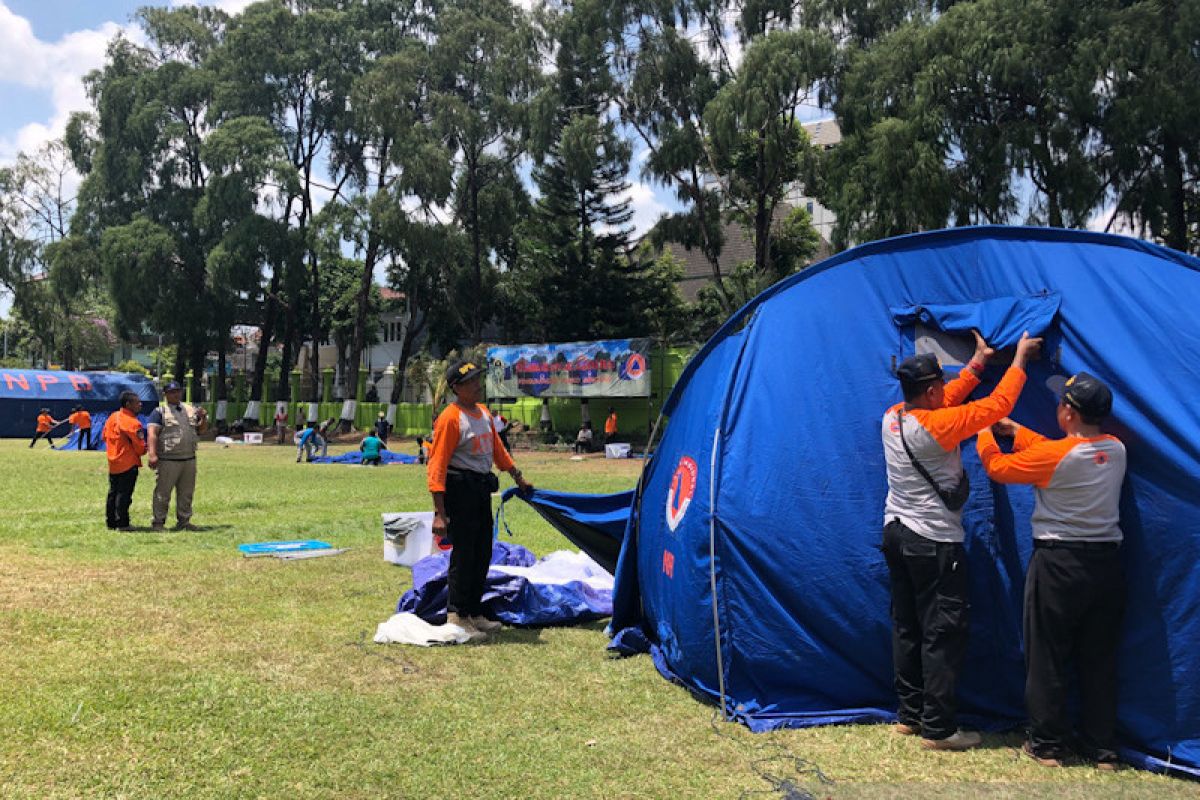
(221, 395)
(285, 363)
(411, 332)
(1176, 233)
(199, 350)
(178, 367)
(266, 335)
(362, 301)
(477, 257)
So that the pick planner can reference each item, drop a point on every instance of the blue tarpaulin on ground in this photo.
(513, 599)
(754, 544)
(355, 457)
(24, 392)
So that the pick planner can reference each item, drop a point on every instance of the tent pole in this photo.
(712, 564)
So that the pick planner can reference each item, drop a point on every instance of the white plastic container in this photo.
(416, 544)
(252, 438)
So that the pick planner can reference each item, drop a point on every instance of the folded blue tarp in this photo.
(355, 457)
(513, 599)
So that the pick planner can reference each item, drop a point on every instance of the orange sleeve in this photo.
(500, 454)
(961, 387)
(445, 442)
(1027, 438)
(951, 425)
(136, 442)
(1034, 464)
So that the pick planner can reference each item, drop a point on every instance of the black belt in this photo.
(1059, 544)
(469, 474)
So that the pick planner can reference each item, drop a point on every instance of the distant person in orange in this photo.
(923, 532)
(1075, 586)
(461, 481)
(610, 426)
(82, 421)
(45, 424)
(125, 443)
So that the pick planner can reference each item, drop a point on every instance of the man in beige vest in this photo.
(173, 430)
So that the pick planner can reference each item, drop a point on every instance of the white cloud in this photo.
(647, 208)
(55, 68)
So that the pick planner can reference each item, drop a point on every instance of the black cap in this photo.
(1086, 393)
(172, 386)
(461, 371)
(919, 369)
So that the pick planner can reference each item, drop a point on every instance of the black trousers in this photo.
(469, 507)
(120, 497)
(85, 439)
(1074, 605)
(929, 626)
(39, 435)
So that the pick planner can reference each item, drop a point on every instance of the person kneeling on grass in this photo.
(461, 481)
(370, 447)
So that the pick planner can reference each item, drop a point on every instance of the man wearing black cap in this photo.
(173, 433)
(1075, 586)
(923, 532)
(465, 445)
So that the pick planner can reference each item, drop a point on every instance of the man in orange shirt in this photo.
(461, 481)
(125, 443)
(82, 421)
(923, 532)
(610, 426)
(45, 423)
(1075, 586)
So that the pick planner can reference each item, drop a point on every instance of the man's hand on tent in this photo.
(1005, 427)
(983, 351)
(1027, 350)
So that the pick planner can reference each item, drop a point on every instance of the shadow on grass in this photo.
(173, 529)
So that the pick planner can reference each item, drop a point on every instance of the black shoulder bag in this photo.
(954, 499)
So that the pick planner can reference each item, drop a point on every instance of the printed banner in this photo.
(609, 368)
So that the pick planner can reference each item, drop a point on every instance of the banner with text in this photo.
(609, 368)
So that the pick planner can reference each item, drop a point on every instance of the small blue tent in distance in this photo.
(24, 392)
(750, 565)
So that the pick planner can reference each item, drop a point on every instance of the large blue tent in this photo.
(24, 392)
(750, 566)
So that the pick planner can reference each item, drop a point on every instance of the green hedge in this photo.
(635, 415)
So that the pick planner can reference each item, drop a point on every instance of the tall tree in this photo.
(484, 71)
(283, 61)
(144, 174)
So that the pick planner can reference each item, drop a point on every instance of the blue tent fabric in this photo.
(355, 457)
(753, 543)
(593, 523)
(511, 599)
(1000, 320)
(24, 392)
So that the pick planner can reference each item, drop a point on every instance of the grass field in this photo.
(164, 665)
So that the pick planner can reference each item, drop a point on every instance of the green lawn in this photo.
(165, 665)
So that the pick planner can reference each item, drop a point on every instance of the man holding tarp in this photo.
(1075, 586)
(45, 424)
(461, 481)
(923, 532)
(82, 421)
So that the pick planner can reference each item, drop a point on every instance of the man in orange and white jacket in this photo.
(461, 482)
(923, 532)
(1075, 586)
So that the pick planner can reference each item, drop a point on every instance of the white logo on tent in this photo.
(683, 488)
